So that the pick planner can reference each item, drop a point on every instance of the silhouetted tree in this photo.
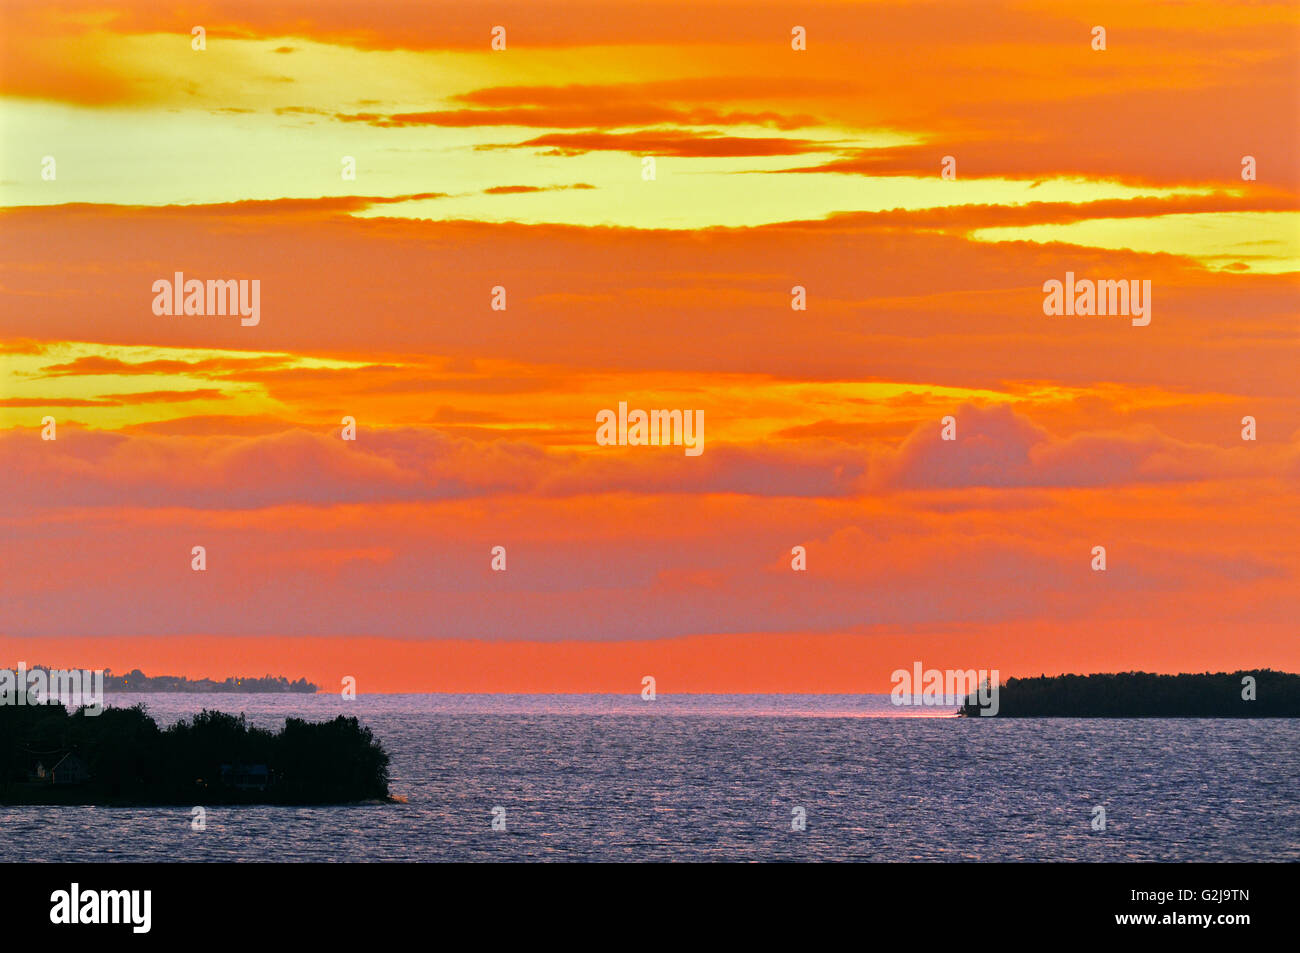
(132, 761)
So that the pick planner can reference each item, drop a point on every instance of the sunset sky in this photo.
(773, 168)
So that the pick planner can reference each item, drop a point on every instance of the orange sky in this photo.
(127, 155)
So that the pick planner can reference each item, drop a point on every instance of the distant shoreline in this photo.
(136, 681)
(1248, 693)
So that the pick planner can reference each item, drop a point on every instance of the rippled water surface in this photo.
(718, 778)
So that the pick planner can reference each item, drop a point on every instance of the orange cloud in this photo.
(475, 425)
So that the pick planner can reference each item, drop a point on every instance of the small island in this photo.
(1258, 693)
(137, 681)
(121, 757)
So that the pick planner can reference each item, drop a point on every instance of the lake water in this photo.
(598, 777)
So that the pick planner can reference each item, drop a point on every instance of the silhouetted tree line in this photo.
(132, 761)
(1143, 695)
(137, 681)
